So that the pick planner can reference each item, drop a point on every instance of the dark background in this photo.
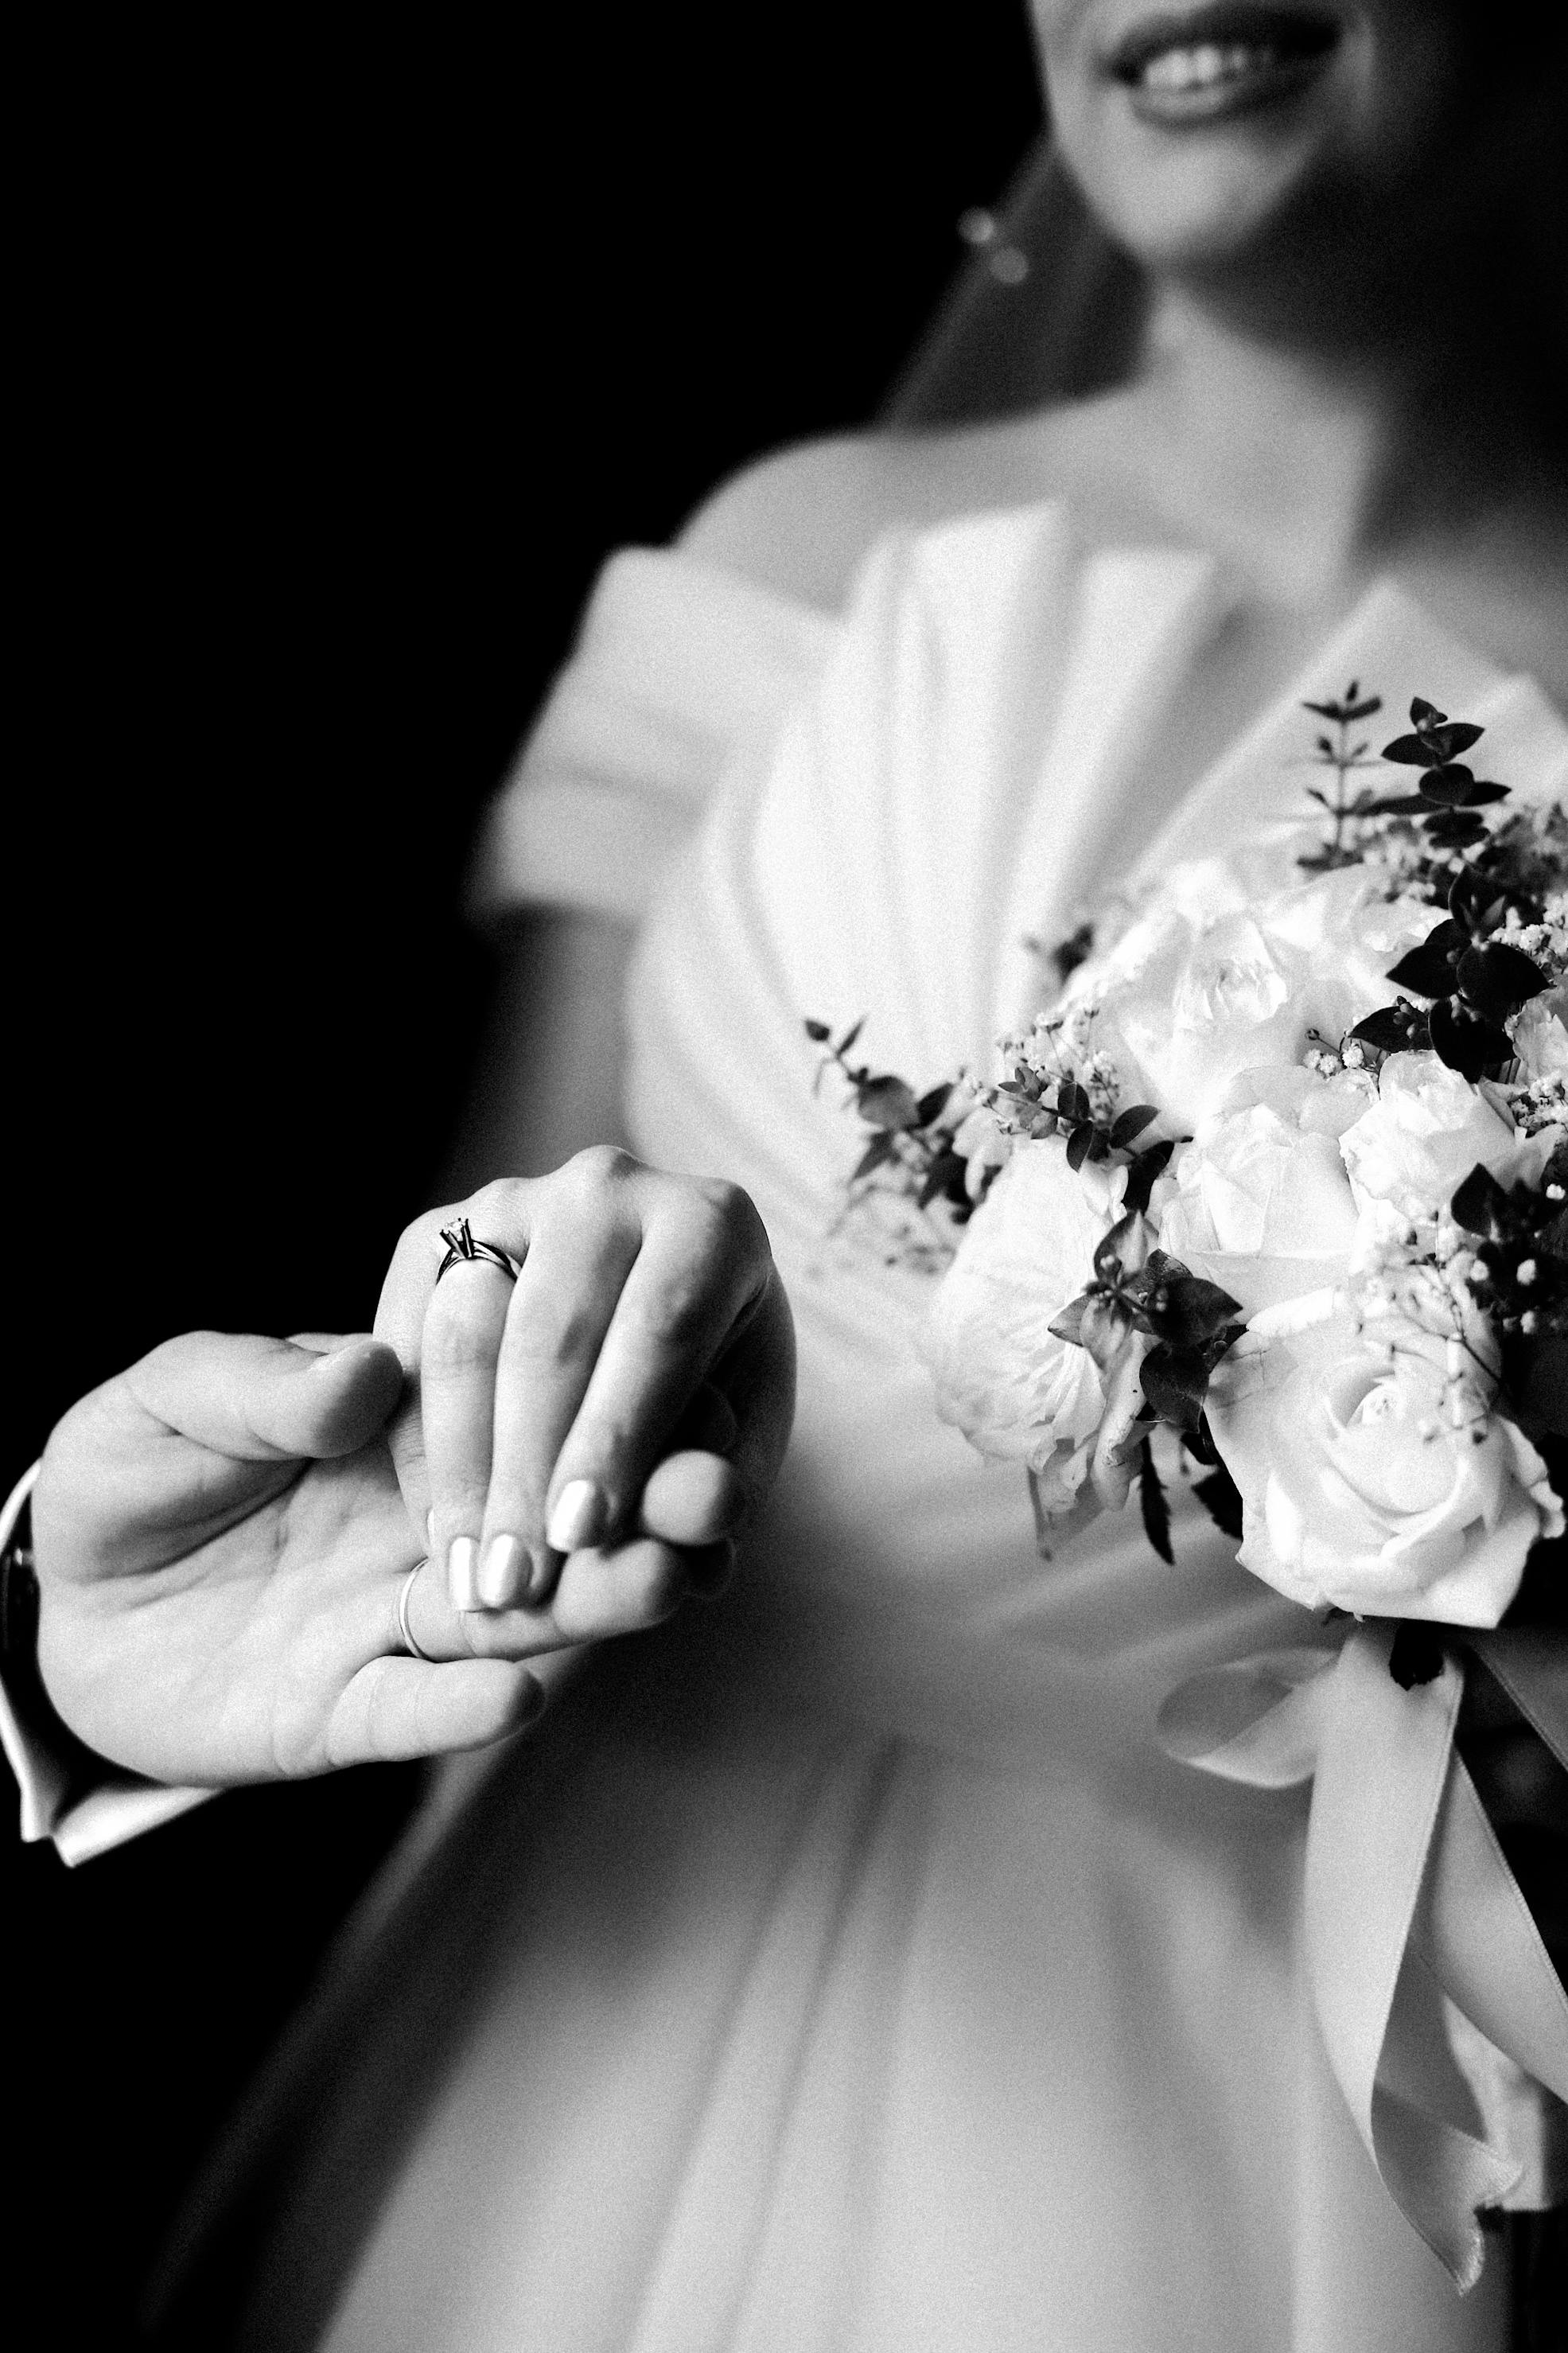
(344, 362)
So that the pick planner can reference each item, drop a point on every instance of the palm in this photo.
(249, 1643)
(210, 1616)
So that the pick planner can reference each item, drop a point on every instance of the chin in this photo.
(1201, 210)
(1201, 130)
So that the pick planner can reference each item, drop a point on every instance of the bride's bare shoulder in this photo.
(800, 521)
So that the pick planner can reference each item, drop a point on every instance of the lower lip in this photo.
(1260, 85)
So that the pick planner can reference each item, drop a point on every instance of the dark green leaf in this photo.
(1221, 1499)
(1175, 1382)
(932, 1104)
(1194, 1310)
(1497, 979)
(1464, 1042)
(1199, 1442)
(1152, 1503)
(1447, 787)
(879, 1149)
(1481, 1206)
(886, 1102)
(1070, 952)
(946, 1173)
(1141, 1175)
(1131, 1123)
(1474, 902)
(1455, 829)
(1408, 752)
(1426, 969)
(1433, 746)
(1397, 805)
(1455, 786)
(818, 1033)
(1079, 1142)
(1393, 1030)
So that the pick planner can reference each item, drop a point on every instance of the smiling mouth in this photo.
(1191, 67)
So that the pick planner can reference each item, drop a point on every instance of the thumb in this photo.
(260, 1400)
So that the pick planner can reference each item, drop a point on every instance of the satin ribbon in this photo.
(1410, 1912)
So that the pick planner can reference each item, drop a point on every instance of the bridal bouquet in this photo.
(1273, 1196)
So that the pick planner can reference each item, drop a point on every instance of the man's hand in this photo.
(221, 1543)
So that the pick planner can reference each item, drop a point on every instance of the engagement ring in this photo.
(461, 1244)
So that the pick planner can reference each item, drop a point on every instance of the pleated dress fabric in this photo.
(845, 1969)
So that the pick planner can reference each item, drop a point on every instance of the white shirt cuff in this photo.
(81, 1823)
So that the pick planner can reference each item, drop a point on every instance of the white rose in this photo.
(1541, 1035)
(1199, 992)
(1427, 1127)
(1373, 1476)
(1263, 1206)
(1017, 1392)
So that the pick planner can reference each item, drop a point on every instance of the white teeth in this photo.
(1205, 67)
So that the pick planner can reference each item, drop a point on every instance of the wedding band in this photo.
(461, 1244)
(403, 1627)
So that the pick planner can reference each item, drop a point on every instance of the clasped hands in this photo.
(223, 1533)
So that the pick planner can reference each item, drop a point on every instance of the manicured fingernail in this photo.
(578, 1517)
(539, 1578)
(462, 1561)
(503, 1572)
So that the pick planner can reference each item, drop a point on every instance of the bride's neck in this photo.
(1318, 455)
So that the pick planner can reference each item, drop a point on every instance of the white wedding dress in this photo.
(845, 1969)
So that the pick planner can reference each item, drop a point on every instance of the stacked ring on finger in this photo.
(463, 1244)
(405, 1595)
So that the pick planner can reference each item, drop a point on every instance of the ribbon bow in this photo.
(1421, 1951)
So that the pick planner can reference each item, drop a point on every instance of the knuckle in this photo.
(600, 1169)
(497, 1202)
(674, 1311)
(733, 1214)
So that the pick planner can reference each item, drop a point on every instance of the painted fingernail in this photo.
(462, 1562)
(503, 1572)
(538, 1578)
(578, 1517)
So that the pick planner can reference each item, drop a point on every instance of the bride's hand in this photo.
(221, 1544)
(583, 1441)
